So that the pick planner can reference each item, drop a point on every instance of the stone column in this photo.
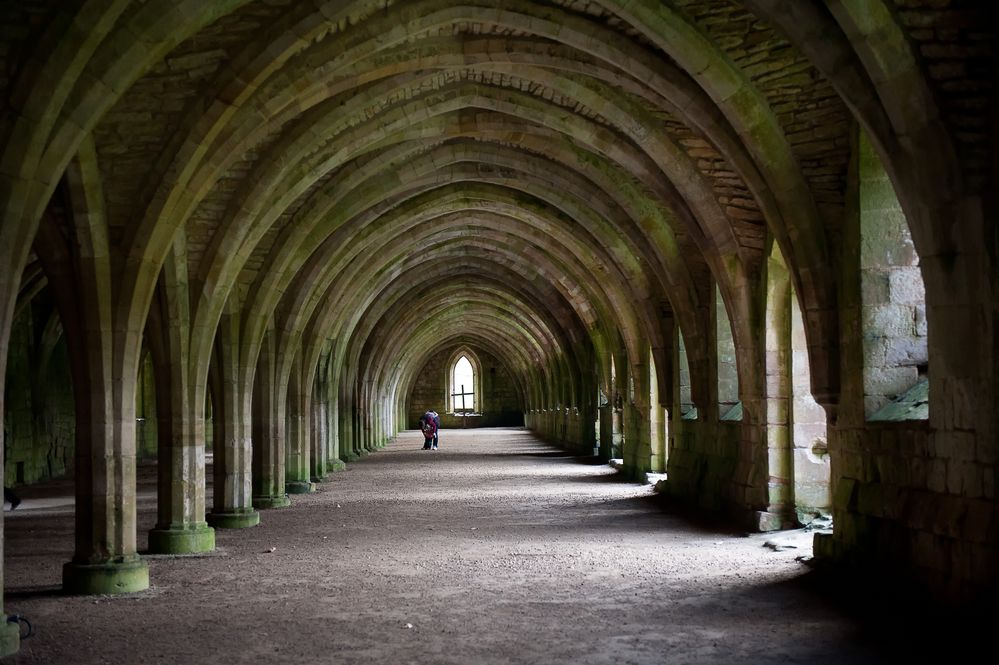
(617, 428)
(105, 560)
(268, 432)
(606, 412)
(777, 366)
(319, 437)
(320, 430)
(345, 428)
(638, 434)
(10, 635)
(181, 527)
(232, 469)
(334, 444)
(180, 406)
(657, 422)
(104, 354)
(298, 443)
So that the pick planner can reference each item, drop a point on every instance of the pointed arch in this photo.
(454, 387)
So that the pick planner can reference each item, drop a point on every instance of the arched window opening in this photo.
(810, 452)
(617, 413)
(893, 299)
(688, 410)
(729, 407)
(463, 386)
(797, 454)
(657, 421)
(603, 407)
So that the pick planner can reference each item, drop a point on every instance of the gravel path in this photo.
(495, 549)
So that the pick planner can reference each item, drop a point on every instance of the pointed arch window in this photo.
(463, 395)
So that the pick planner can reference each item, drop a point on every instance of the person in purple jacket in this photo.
(428, 425)
(437, 428)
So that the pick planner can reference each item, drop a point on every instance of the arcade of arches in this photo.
(748, 244)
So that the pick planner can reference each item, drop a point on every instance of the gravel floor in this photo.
(495, 549)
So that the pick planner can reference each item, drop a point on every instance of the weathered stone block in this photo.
(890, 381)
(905, 286)
(906, 351)
(972, 480)
(876, 351)
(921, 327)
(870, 499)
(986, 450)
(949, 515)
(875, 288)
(845, 494)
(891, 320)
(980, 518)
(936, 477)
(764, 521)
(919, 510)
(887, 468)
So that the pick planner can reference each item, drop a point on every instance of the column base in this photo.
(197, 539)
(10, 637)
(267, 502)
(335, 465)
(763, 521)
(94, 579)
(351, 456)
(824, 547)
(299, 487)
(237, 519)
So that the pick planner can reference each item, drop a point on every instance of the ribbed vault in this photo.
(295, 205)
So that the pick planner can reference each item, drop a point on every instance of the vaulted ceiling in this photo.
(540, 177)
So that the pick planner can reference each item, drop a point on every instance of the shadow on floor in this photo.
(897, 620)
(28, 592)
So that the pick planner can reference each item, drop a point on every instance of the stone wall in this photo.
(900, 495)
(687, 407)
(702, 461)
(809, 432)
(39, 421)
(955, 41)
(500, 403)
(728, 373)
(907, 496)
(894, 310)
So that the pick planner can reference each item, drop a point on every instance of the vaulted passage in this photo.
(743, 250)
(495, 549)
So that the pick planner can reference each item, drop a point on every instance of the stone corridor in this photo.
(496, 549)
(749, 245)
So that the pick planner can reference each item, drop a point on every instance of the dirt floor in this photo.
(495, 549)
